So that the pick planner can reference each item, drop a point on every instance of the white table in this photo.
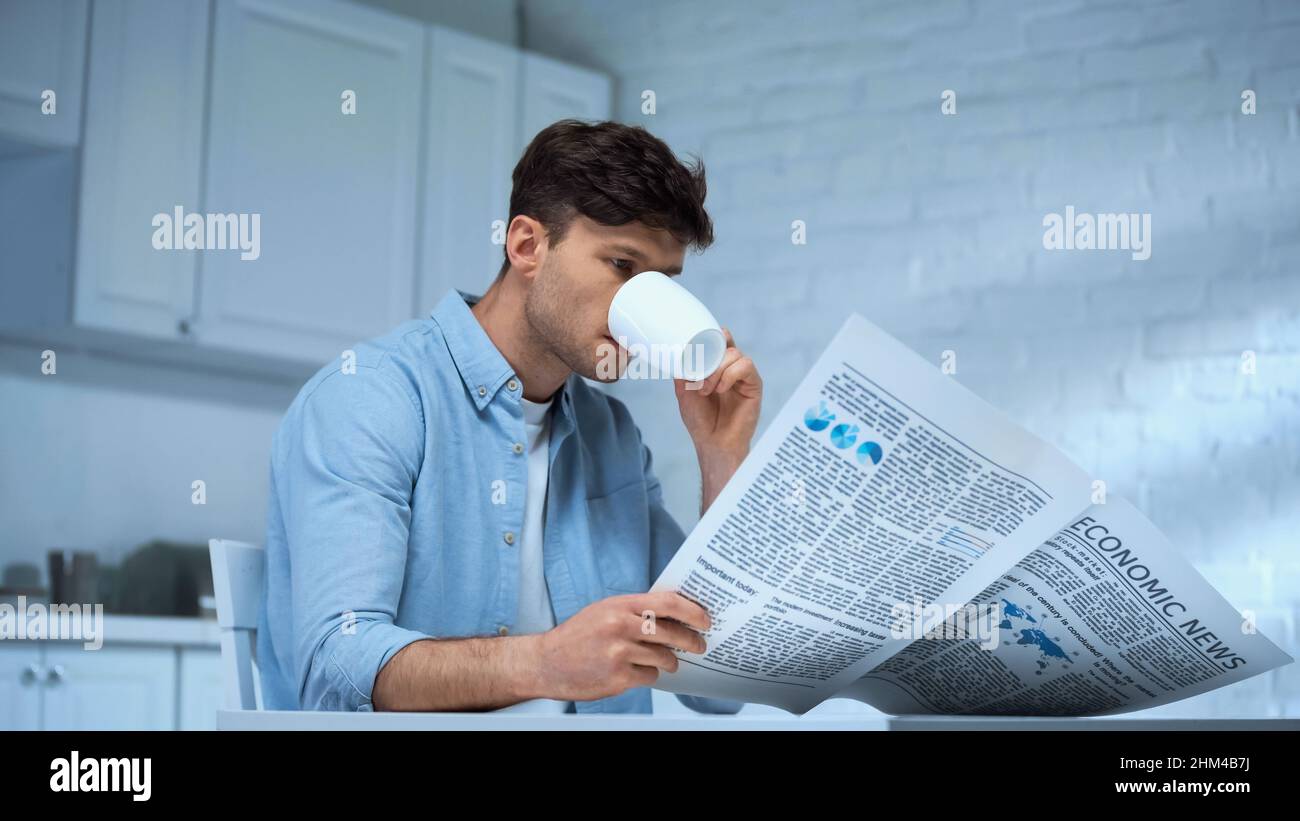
(305, 720)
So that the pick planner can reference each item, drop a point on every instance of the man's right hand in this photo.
(616, 643)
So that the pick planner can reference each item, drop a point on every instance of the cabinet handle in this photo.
(56, 675)
(30, 674)
(183, 326)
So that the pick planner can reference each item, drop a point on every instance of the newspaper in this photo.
(895, 539)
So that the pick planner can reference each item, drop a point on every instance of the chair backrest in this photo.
(238, 576)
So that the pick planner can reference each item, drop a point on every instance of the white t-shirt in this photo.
(535, 613)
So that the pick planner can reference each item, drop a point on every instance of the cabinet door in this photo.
(471, 128)
(42, 48)
(332, 194)
(20, 685)
(142, 157)
(201, 688)
(112, 688)
(553, 91)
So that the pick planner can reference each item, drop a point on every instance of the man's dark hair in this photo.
(610, 173)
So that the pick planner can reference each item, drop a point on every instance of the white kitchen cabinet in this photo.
(335, 193)
(42, 48)
(553, 91)
(150, 673)
(471, 149)
(142, 156)
(486, 102)
(236, 109)
(20, 685)
(201, 686)
(112, 688)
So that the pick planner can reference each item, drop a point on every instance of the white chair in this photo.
(238, 576)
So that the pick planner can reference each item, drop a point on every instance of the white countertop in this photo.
(306, 720)
(161, 630)
(168, 630)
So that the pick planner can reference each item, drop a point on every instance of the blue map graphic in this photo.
(1034, 636)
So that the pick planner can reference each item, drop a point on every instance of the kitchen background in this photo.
(175, 366)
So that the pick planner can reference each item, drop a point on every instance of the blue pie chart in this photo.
(870, 451)
(843, 436)
(818, 418)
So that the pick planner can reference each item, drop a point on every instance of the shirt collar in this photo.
(482, 367)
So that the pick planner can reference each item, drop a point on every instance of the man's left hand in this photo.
(721, 414)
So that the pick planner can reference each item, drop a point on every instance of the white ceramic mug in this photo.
(653, 316)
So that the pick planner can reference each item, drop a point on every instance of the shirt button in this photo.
(518, 447)
(502, 630)
(512, 385)
(509, 537)
(482, 391)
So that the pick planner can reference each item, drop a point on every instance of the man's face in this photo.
(568, 301)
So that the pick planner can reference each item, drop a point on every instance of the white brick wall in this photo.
(932, 227)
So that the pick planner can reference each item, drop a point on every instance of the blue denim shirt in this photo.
(397, 497)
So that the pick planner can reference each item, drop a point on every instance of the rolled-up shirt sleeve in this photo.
(666, 537)
(345, 475)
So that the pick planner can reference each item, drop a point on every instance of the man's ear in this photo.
(526, 245)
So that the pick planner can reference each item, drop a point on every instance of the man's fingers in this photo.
(673, 605)
(711, 381)
(671, 633)
(654, 655)
(708, 384)
(645, 676)
(742, 369)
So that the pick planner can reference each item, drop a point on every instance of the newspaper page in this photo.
(880, 481)
(1103, 618)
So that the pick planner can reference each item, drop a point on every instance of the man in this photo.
(460, 522)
